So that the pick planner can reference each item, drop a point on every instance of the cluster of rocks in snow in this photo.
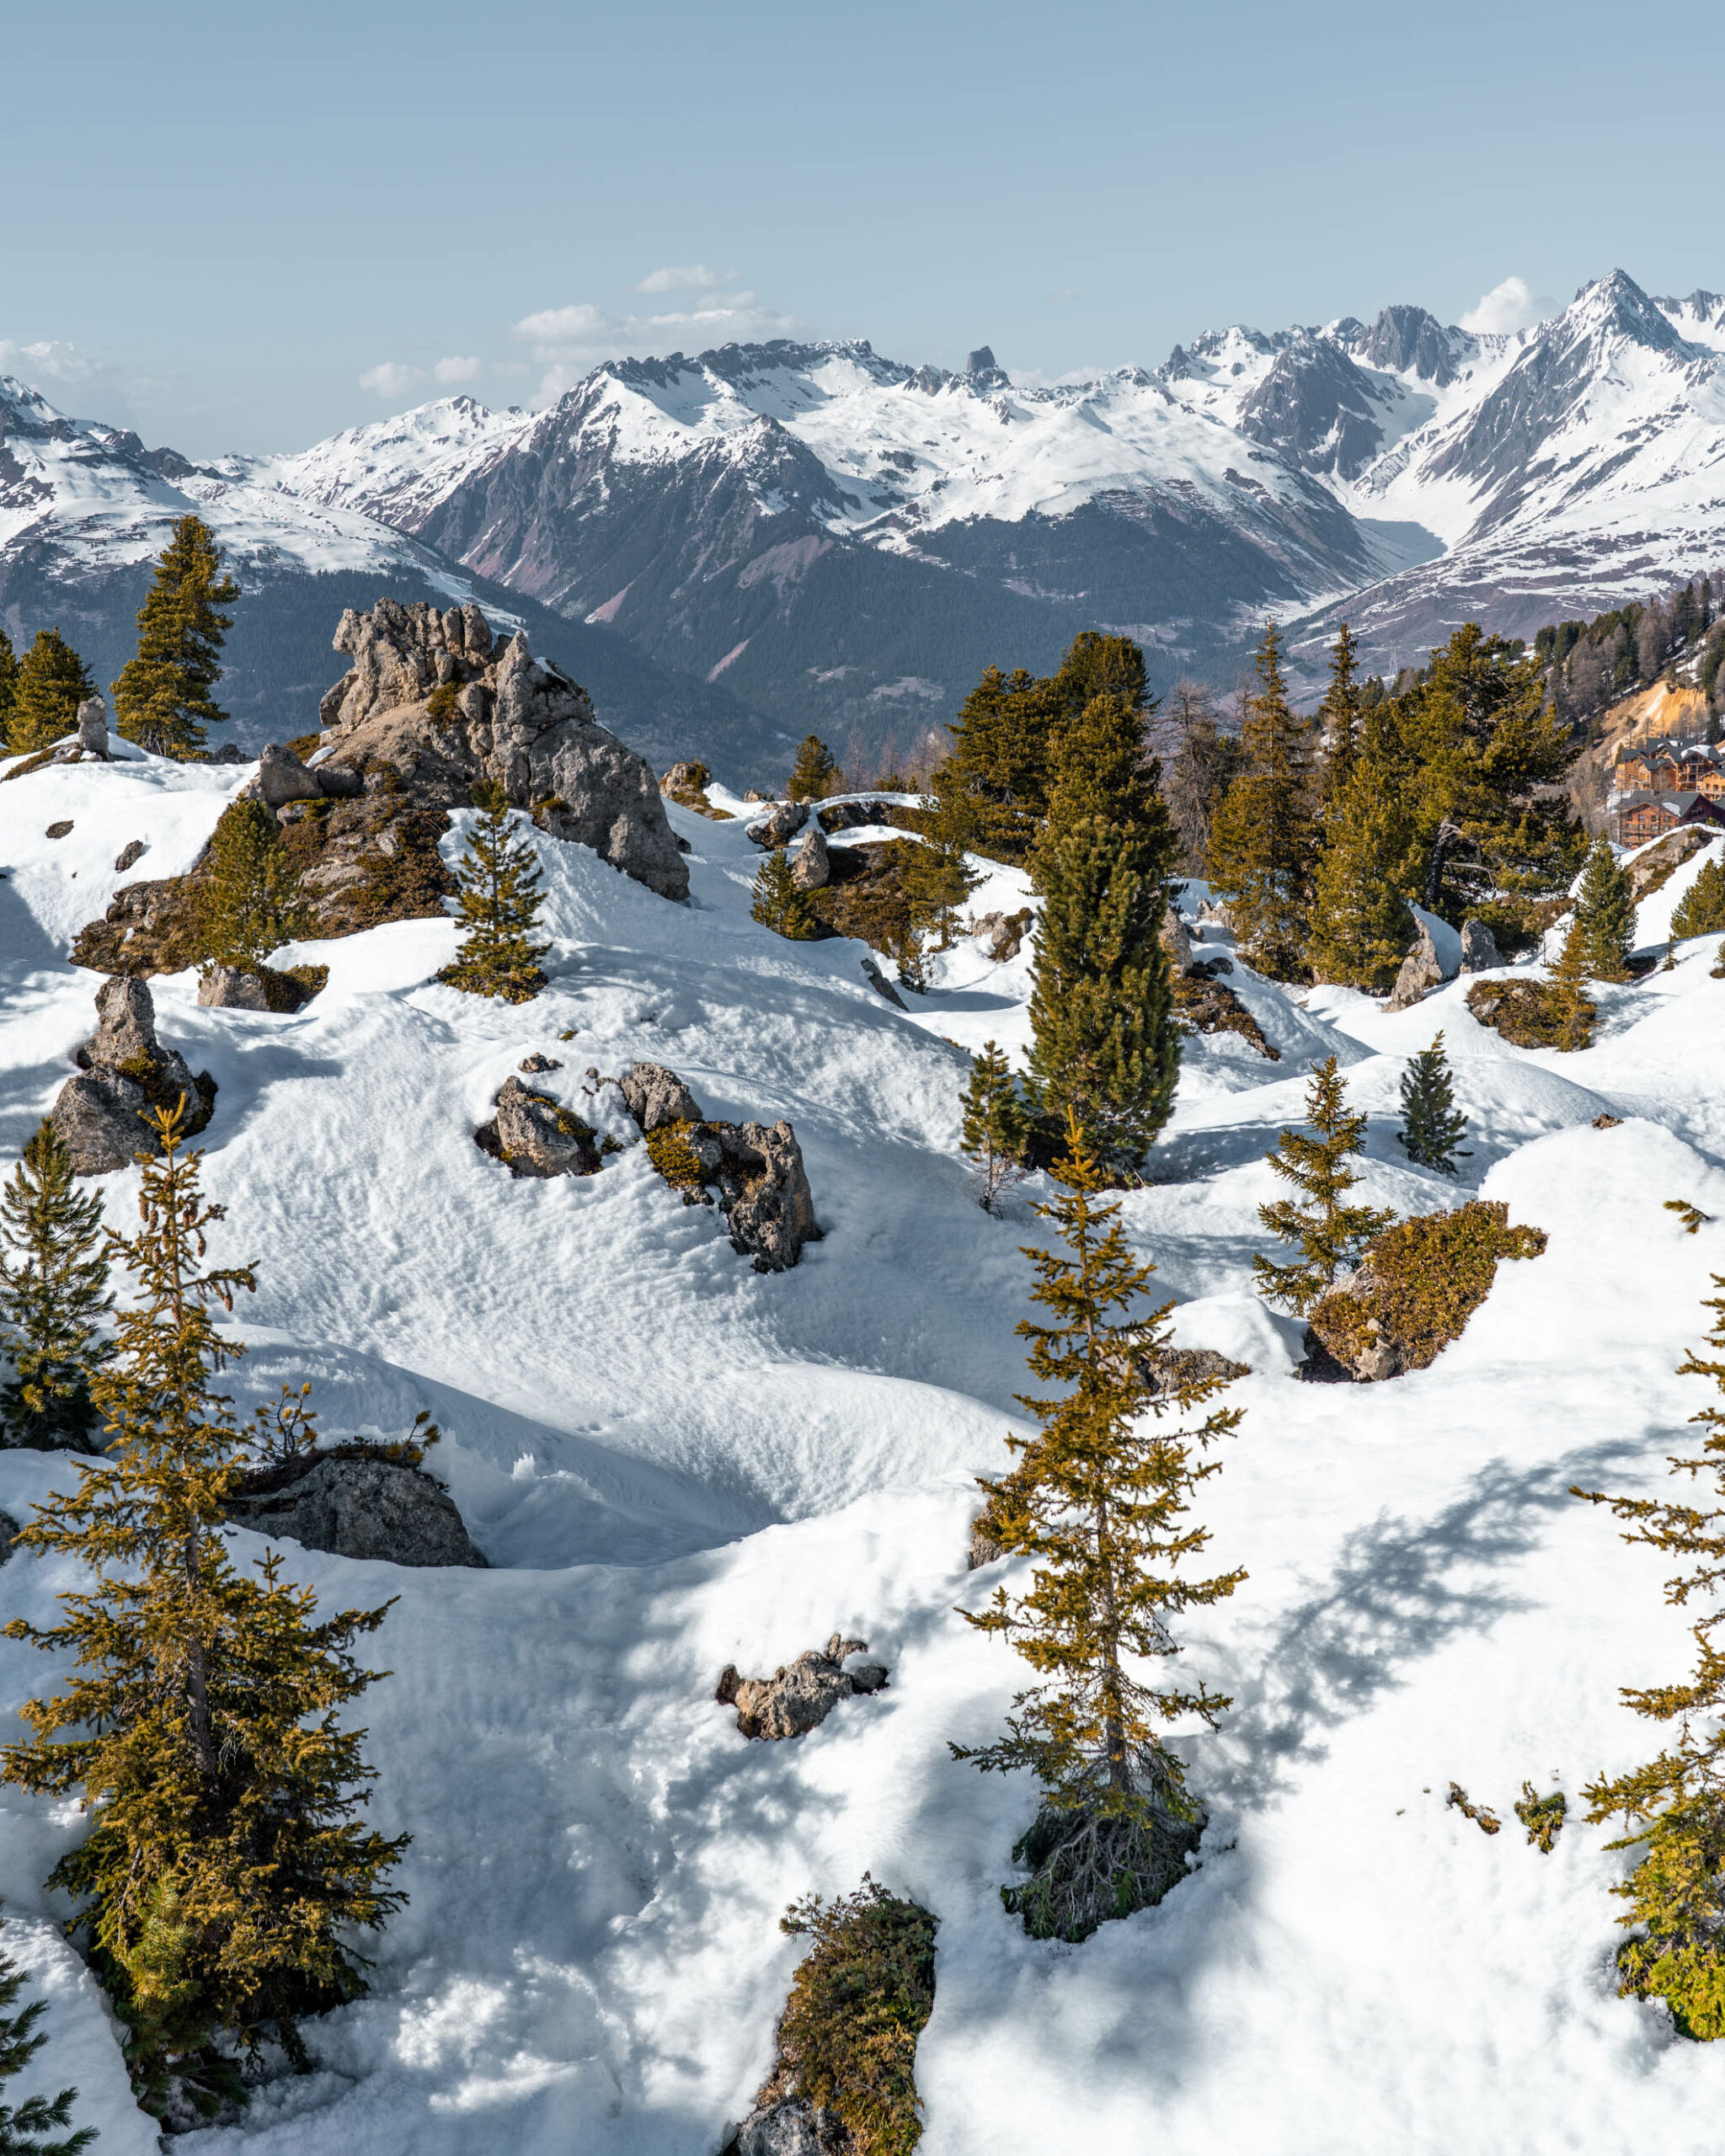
(532, 1135)
(356, 1502)
(1423, 968)
(125, 1072)
(757, 1168)
(801, 1695)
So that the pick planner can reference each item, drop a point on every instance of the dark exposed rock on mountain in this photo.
(124, 1073)
(354, 1501)
(804, 1693)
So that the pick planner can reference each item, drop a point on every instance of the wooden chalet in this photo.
(1670, 767)
(1646, 814)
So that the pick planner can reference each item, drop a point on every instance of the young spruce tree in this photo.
(33, 2127)
(1100, 1498)
(499, 900)
(163, 699)
(249, 903)
(1338, 719)
(53, 1298)
(1572, 1010)
(1106, 1046)
(52, 682)
(8, 689)
(1360, 925)
(1263, 838)
(1433, 1127)
(1327, 1231)
(1604, 912)
(780, 902)
(996, 1125)
(1701, 911)
(1675, 1805)
(202, 1718)
(815, 773)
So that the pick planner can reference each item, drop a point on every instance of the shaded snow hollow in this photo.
(674, 1463)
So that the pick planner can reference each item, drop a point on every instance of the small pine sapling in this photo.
(1327, 1232)
(1099, 1499)
(997, 1126)
(53, 1298)
(1433, 1127)
(779, 903)
(499, 900)
(815, 773)
(1543, 1816)
(1573, 1010)
(25, 2128)
(248, 903)
(1675, 1805)
(1604, 914)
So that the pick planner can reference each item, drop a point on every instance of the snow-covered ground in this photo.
(673, 1462)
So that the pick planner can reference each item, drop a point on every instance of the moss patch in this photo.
(1419, 1282)
(669, 1150)
(1531, 1013)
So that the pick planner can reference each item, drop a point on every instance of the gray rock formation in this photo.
(92, 727)
(132, 851)
(507, 717)
(282, 777)
(355, 1501)
(1171, 1368)
(763, 1189)
(536, 1063)
(783, 821)
(231, 988)
(655, 1096)
(1479, 948)
(60, 830)
(802, 1694)
(1175, 940)
(881, 986)
(790, 2127)
(1001, 934)
(810, 868)
(125, 1072)
(534, 1135)
(1421, 972)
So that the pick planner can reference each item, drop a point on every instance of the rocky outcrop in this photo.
(1175, 940)
(756, 1169)
(282, 777)
(1001, 934)
(354, 1501)
(881, 986)
(790, 2127)
(1421, 972)
(1171, 1370)
(1205, 1005)
(131, 852)
(802, 1694)
(231, 988)
(534, 1135)
(655, 1096)
(125, 1072)
(433, 698)
(1479, 948)
(810, 868)
(92, 727)
(783, 821)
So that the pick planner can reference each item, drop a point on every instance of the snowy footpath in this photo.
(672, 1463)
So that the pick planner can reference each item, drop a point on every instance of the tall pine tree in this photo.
(33, 2127)
(1432, 1126)
(1360, 924)
(248, 900)
(163, 699)
(1099, 1498)
(8, 689)
(53, 1298)
(996, 1124)
(1604, 912)
(1264, 837)
(1106, 1048)
(1339, 718)
(202, 1718)
(1327, 1231)
(499, 900)
(52, 682)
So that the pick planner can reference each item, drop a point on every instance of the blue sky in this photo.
(242, 227)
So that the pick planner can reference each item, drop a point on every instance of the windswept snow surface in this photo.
(672, 1463)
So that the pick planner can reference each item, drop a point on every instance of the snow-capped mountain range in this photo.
(820, 536)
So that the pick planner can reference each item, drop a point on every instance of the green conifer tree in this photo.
(1674, 1807)
(498, 900)
(25, 2127)
(1701, 911)
(1106, 1046)
(1604, 912)
(1369, 864)
(1327, 1232)
(163, 699)
(780, 904)
(8, 689)
(997, 1126)
(53, 1298)
(249, 901)
(202, 1719)
(999, 765)
(1099, 1497)
(52, 682)
(1573, 1010)
(815, 773)
(1432, 1126)
(1264, 837)
(936, 875)
(1339, 718)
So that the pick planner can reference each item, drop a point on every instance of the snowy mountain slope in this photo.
(673, 1462)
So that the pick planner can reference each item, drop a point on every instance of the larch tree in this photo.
(1326, 1230)
(1264, 836)
(499, 898)
(1674, 1807)
(1361, 927)
(163, 699)
(996, 1124)
(1106, 1045)
(1100, 1499)
(1432, 1125)
(815, 773)
(52, 681)
(202, 1718)
(35, 2127)
(249, 901)
(54, 1298)
(1605, 914)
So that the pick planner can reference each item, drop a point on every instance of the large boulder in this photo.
(800, 1696)
(810, 868)
(655, 1096)
(1422, 971)
(1479, 948)
(783, 820)
(282, 777)
(763, 1189)
(1175, 940)
(534, 1135)
(99, 1116)
(435, 699)
(92, 727)
(232, 988)
(355, 1501)
(124, 1073)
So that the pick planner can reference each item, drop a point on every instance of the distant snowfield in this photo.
(673, 1463)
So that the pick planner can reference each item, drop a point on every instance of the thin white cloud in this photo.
(1508, 305)
(695, 278)
(457, 370)
(50, 356)
(569, 341)
(389, 378)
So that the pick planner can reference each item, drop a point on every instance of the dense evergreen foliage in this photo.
(33, 2127)
(779, 903)
(8, 689)
(1432, 1126)
(1361, 927)
(996, 1123)
(815, 773)
(1327, 1232)
(163, 699)
(1701, 911)
(498, 900)
(53, 1297)
(1604, 914)
(202, 1718)
(249, 902)
(52, 681)
(1264, 836)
